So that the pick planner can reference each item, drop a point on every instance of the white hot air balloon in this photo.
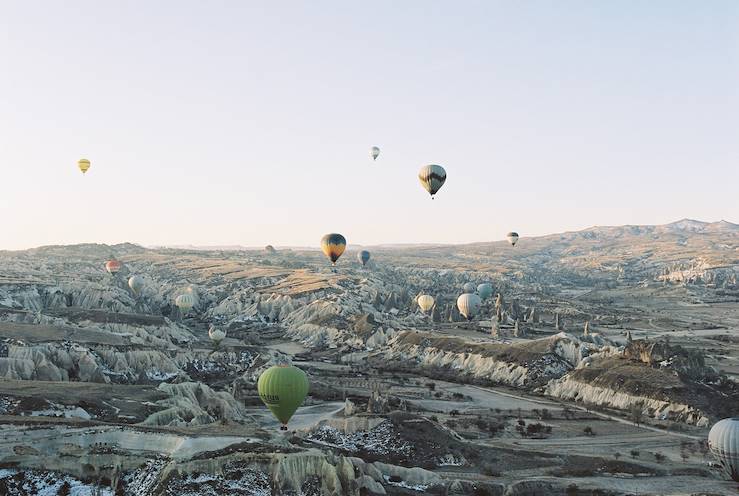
(136, 283)
(723, 441)
(469, 288)
(512, 238)
(468, 305)
(375, 152)
(216, 335)
(425, 302)
(184, 302)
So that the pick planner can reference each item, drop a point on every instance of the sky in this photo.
(244, 122)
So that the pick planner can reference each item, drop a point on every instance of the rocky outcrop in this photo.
(193, 403)
(570, 389)
(689, 364)
(519, 365)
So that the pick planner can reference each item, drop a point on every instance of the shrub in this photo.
(64, 490)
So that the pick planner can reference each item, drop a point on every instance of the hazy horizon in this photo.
(249, 125)
(355, 246)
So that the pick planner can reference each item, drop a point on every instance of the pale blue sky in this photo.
(251, 122)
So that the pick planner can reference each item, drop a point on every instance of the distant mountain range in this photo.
(680, 226)
(679, 229)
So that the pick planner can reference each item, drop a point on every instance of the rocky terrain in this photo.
(596, 368)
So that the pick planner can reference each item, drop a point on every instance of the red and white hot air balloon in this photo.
(113, 266)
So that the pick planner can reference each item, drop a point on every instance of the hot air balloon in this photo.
(216, 335)
(283, 389)
(723, 441)
(375, 152)
(363, 256)
(469, 288)
(425, 302)
(485, 290)
(333, 245)
(184, 302)
(192, 290)
(136, 283)
(468, 305)
(512, 238)
(113, 266)
(432, 178)
(83, 164)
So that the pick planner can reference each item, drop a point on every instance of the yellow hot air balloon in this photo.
(333, 245)
(83, 164)
(425, 302)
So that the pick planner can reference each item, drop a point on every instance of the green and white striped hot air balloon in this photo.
(184, 302)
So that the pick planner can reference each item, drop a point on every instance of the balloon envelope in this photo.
(333, 245)
(512, 238)
(363, 256)
(112, 266)
(216, 335)
(469, 288)
(425, 302)
(184, 302)
(723, 441)
(485, 290)
(375, 152)
(468, 305)
(83, 164)
(136, 283)
(283, 389)
(432, 178)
